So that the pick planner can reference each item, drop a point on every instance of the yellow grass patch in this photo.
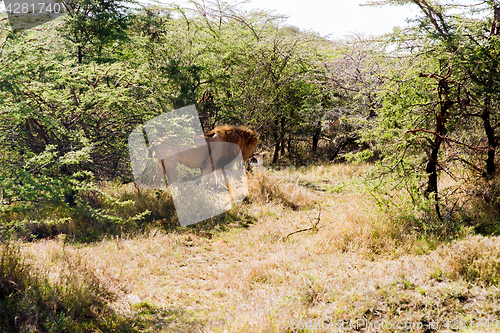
(356, 266)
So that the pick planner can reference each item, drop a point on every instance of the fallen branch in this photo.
(314, 225)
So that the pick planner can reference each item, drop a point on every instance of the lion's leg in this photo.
(160, 170)
(207, 171)
(227, 184)
(169, 169)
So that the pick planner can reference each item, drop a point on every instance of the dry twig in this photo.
(314, 225)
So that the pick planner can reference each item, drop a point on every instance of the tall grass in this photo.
(239, 272)
(475, 259)
(74, 301)
(110, 209)
(269, 186)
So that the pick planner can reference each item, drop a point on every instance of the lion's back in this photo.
(244, 137)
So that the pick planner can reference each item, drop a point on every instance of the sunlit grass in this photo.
(351, 261)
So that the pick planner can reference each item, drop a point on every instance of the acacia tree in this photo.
(473, 51)
(64, 125)
(271, 82)
(277, 79)
(91, 25)
(353, 78)
(452, 59)
(240, 68)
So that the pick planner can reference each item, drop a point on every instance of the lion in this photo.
(168, 153)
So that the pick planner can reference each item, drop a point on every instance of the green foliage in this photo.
(92, 25)
(64, 126)
(437, 127)
(73, 91)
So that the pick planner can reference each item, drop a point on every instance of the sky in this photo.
(338, 18)
(334, 18)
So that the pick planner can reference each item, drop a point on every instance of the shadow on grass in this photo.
(130, 211)
(149, 318)
(235, 218)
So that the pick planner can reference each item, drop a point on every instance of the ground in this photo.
(356, 270)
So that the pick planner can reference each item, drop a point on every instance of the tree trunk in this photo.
(277, 141)
(336, 151)
(492, 142)
(432, 163)
(80, 55)
(289, 145)
(276, 151)
(282, 146)
(486, 115)
(282, 120)
(316, 137)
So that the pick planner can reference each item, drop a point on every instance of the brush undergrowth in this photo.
(271, 186)
(474, 259)
(75, 301)
(110, 209)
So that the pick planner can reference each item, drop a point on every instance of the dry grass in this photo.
(475, 259)
(357, 271)
(63, 296)
(272, 186)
